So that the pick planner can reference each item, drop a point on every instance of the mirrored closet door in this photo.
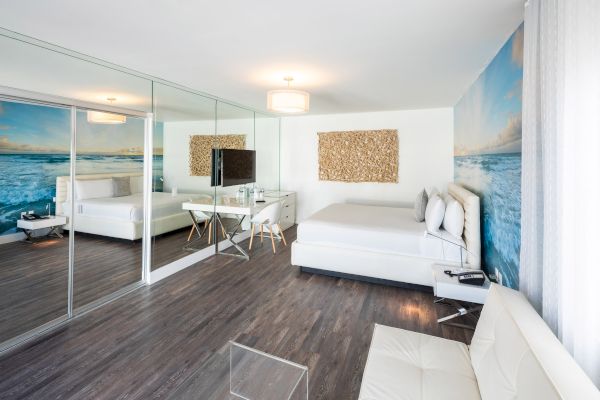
(108, 212)
(35, 141)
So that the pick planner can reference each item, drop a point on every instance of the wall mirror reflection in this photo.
(181, 164)
(34, 251)
(108, 214)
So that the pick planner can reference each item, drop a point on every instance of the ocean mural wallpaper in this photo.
(34, 150)
(487, 155)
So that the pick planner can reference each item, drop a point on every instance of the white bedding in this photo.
(131, 208)
(379, 229)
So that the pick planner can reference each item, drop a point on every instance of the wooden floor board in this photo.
(34, 277)
(170, 340)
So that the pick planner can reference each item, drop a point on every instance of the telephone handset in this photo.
(476, 278)
(31, 217)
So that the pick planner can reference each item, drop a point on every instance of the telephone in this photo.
(31, 217)
(476, 278)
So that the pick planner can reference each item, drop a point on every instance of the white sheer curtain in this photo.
(560, 222)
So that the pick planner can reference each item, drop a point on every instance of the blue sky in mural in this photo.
(28, 128)
(490, 112)
(487, 155)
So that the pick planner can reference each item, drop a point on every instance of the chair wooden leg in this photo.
(272, 238)
(223, 231)
(251, 237)
(261, 233)
(281, 233)
(210, 232)
(191, 233)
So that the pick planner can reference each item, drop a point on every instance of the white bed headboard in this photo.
(472, 230)
(62, 183)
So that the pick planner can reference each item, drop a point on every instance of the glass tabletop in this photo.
(246, 373)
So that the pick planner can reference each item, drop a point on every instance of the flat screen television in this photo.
(233, 167)
(215, 167)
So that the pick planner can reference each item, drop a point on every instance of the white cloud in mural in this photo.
(7, 146)
(507, 141)
(517, 47)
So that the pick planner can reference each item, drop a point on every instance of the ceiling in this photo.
(352, 56)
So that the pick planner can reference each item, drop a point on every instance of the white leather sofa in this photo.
(513, 355)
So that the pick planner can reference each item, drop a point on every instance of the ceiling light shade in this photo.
(288, 100)
(98, 117)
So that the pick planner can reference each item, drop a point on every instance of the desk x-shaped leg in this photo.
(230, 235)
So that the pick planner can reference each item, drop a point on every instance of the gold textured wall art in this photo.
(359, 156)
(201, 146)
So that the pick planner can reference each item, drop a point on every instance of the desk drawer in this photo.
(288, 215)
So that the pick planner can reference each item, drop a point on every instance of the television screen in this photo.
(238, 166)
(215, 167)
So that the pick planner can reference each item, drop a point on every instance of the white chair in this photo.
(268, 217)
(201, 217)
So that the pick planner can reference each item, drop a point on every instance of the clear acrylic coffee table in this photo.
(245, 373)
(255, 375)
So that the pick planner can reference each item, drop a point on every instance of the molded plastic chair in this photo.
(268, 217)
(201, 217)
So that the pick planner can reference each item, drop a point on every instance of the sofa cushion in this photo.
(409, 365)
(516, 356)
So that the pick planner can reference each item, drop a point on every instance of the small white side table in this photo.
(447, 287)
(51, 222)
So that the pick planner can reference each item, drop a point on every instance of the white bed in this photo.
(122, 217)
(384, 242)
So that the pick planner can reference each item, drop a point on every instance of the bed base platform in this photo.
(361, 278)
(363, 263)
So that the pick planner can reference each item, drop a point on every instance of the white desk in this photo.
(225, 205)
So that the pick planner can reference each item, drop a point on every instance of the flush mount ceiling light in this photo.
(99, 117)
(288, 100)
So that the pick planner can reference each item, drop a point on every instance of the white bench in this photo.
(513, 355)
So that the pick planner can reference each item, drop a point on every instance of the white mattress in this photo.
(379, 229)
(131, 208)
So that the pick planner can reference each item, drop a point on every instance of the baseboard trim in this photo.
(368, 279)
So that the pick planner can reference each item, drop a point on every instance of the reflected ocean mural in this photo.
(34, 150)
(487, 155)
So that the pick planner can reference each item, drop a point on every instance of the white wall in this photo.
(261, 135)
(176, 156)
(426, 141)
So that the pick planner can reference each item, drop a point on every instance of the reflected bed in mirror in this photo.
(100, 212)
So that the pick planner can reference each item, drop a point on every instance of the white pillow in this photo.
(93, 188)
(421, 205)
(137, 184)
(434, 213)
(454, 218)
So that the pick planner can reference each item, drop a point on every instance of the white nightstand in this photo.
(450, 292)
(51, 222)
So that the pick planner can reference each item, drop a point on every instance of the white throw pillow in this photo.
(454, 218)
(421, 205)
(434, 214)
(93, 188)
(137, 184)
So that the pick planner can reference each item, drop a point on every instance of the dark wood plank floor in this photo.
(33, 277)
(169, 340)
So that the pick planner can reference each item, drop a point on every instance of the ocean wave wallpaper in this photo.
(487, 155)
(34, 150)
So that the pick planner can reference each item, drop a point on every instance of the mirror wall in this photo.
(109, 207)
(33, 277)
(101, 179)
(180, 117)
